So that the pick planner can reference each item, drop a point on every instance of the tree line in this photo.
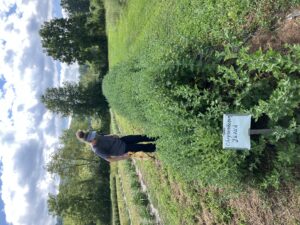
(78, 38)
(84, 194)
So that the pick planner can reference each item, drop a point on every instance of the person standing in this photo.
(113, 148)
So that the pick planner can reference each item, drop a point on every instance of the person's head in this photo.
(80, 135)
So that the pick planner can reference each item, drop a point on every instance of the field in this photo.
(175, 68)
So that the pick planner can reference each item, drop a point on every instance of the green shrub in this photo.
(183, 101)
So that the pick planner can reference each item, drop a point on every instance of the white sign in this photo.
(236, 131)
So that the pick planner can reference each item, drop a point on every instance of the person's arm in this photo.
(112, 135)
(94, 142)
(117, 158)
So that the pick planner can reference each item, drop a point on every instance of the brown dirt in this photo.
(279, 208)
(207, 216)
(287, 32)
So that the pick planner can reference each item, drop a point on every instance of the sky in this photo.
(28, 132)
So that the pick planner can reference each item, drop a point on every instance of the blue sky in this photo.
(2, 214)
(12, 10)
(28, 131)
(2, 81)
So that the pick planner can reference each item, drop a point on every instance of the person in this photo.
(113, 148)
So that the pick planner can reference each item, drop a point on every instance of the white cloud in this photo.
(28, 132)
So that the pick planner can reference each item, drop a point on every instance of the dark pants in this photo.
(132, 145)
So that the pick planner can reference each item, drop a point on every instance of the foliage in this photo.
(96, 26)
(83, 200)
(196, 97)
(80, 37)
(175, 78)
(84, 194)
(90, 78)
(73, 98)
(74, 7)
(170, 61)
(67, 39)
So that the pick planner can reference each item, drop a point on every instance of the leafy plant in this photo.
(261, 83)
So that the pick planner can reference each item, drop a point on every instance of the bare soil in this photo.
(287, 31)
(283, 207)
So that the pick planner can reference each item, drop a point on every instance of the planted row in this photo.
(183, 104)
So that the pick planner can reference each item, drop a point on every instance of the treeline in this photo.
(84, 194)
(80, 37)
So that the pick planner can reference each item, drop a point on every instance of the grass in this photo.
(114, 196)
(171, 72)
(157, 33)
(132, 202)
(178, 202)
(124, 215)
(137, 203)
(156, 26)
(181, 202)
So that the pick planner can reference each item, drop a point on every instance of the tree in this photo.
(84, 194)
(74, 7)
(81, 200)
(65, 165)
(68, 39)
(73, 98)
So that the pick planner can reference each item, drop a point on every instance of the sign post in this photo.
(260, 131)
(236, 131)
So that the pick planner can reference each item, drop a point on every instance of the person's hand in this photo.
(113, 135)
(94, 142)
(118, 158)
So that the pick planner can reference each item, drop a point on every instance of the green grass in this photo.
(132, 202)
(137, 203)
(178, 202)
(176, 67)
(163, 55)
(182, 202)
(159, 26)
(122, 205)
(114, 196)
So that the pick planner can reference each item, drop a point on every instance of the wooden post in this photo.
(260, 131)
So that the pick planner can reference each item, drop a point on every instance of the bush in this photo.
(182, 99)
